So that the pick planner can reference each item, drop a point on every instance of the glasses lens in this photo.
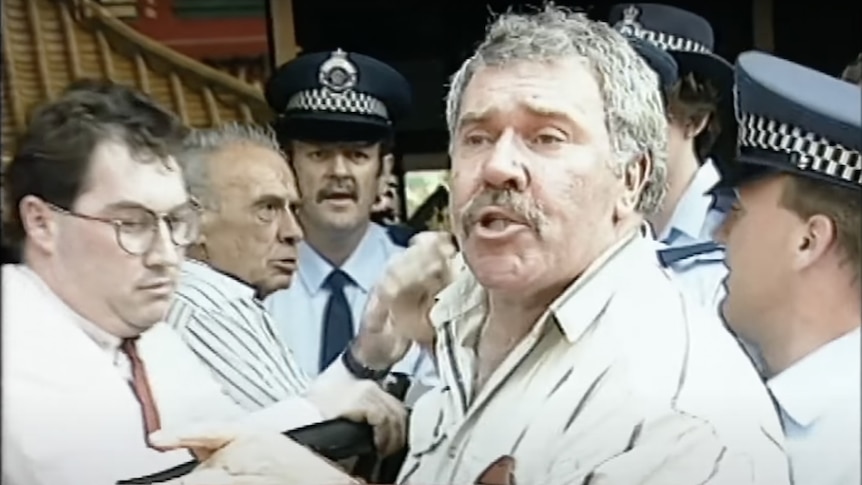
(136, 234)
(185, 227)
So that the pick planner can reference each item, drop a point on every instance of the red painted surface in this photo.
(217, 38)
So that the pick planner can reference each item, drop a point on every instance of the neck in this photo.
(680, 175)
(335, 246)
(809, 322)
(510, 319)
(75, 301)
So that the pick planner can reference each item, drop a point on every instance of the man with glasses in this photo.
(99, 210)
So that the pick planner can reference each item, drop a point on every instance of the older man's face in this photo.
(533, 193)
(252, 232)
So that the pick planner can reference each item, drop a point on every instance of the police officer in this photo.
(699, 101)
(336, 114)
(793, 252)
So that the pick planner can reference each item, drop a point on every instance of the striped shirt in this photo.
(227, 327)
(622, 381)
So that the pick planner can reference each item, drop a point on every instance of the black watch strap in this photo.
(358, 370)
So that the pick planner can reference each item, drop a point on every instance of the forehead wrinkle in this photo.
(530, 93)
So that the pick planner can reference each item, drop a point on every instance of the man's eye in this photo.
(135, 226)
(548, 138)
(477, 139)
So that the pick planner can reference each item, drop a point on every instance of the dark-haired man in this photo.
(701, 133)
(337, 112)
(100, 212)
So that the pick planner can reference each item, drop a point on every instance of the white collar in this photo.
(805, 389)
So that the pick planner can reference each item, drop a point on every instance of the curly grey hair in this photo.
(634, 115)
(201, 144)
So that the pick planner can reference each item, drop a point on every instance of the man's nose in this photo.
(504, 168)
(339, 165)
(163, 251)
(289, 228)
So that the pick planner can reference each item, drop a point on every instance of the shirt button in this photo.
(452, 451)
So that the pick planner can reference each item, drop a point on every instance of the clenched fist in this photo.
(412, 281)
(398, 309)
(365, 401)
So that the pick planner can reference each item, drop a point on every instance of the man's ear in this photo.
(634, 179)
(198, 249)
(386, 164)
(39, 222)
(694, 129)
(816, 237)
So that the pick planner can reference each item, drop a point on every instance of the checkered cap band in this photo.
(350, 102)
(812, 151)
(665, 41)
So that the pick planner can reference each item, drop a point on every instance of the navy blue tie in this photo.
(337, 320)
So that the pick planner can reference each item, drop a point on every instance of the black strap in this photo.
(669, 256)
(337, 439)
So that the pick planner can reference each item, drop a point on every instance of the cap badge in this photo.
(629, 24)
(337, 73)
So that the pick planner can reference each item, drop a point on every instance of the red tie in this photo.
(142, 389)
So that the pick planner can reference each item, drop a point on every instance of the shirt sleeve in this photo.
(252, 366)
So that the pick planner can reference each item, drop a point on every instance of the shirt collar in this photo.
(690, 213)
(106, 341)
(805, 389)
(578, 306)
(231, 284)
(363, 265)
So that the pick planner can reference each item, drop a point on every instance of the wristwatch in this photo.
(358, 369)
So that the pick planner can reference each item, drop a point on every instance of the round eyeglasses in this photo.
(138, 230)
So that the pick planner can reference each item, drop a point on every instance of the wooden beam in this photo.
(763, 19)
(281, 31)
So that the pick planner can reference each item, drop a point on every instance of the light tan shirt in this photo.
(622, 382)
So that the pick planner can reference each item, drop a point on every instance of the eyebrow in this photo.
(129, 205)
(324, 146)
(536, 110)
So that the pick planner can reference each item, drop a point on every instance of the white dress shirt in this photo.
(70, 416)
(298, 311)
(819, 401)
(623, 381)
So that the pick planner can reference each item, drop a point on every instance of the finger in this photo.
(203, 438)
(392, 423)
(448, 247)
(376, 310)
(428, 237)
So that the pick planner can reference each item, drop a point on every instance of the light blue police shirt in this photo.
(298, 310)
(818, 399)
(696, 216)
